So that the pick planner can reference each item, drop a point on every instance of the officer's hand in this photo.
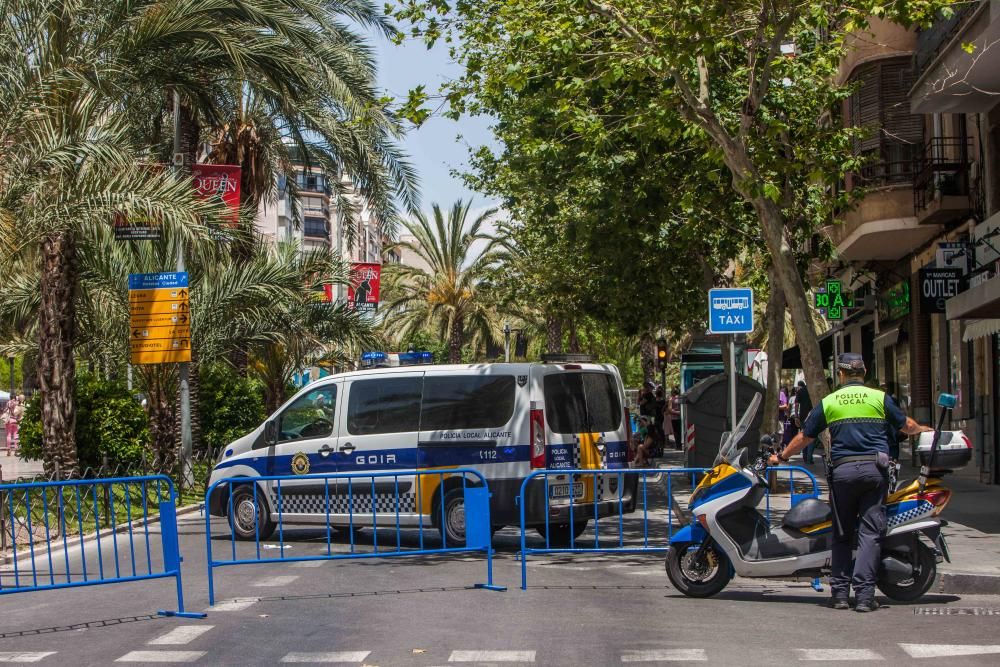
(773, 460)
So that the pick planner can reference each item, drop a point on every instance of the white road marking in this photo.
(945, 650)
(310, 563)
(336, 656)
(161, 656)
(233, 605)
(666, 655)
(837, 654)
(182, 634)
(492, 656)
(24, 656)
(275, 582)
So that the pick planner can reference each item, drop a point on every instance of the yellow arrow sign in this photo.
(164, 320)
(159, 344)
(161, 294)
(169, 357)
(144, 333)
(158, 308)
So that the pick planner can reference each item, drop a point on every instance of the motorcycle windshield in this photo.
(729, 448)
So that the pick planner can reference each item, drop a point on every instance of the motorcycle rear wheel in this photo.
(913, 589)
(696, 581)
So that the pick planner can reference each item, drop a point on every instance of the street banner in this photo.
(159, 318)
(219, 182)
(363, 288)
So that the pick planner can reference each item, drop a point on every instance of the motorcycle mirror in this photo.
(948, 401)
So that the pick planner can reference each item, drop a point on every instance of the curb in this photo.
(121, 528)
(966, 583)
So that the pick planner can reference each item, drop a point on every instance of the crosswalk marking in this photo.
(233, 605)
(492, 656)
(161, 656)
(666, 655)
(274, 582)
(335, 656)
(945, 650)
(24, 656)
(309, 563)
(837, 654)
(183, 634)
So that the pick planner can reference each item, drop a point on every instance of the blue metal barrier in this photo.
(597, 507)
(113, 509)
(386, 510)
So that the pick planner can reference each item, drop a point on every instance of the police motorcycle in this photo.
(729, 536)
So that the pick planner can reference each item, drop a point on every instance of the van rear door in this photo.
(583, 413)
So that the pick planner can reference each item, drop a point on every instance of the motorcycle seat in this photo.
(808, 512)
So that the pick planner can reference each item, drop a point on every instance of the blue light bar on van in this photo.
(412, 358)
(374, 356)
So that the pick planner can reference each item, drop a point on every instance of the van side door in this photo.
(381, 425)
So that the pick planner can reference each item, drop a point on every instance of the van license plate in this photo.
(562, 490)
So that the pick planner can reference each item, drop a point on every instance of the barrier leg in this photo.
(478, 531)
(172, 557)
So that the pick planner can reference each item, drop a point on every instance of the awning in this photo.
(980, 329)
(792, 358)
(887, 338)
(979, 302)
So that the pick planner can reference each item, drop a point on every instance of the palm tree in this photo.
(446, 296)
(81, 102)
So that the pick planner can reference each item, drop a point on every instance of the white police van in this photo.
(504, 420)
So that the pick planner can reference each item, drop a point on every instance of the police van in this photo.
(504, 420)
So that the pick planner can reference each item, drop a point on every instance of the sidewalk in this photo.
(972, 531)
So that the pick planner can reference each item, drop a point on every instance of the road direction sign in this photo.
(730, 310)
(159, 318)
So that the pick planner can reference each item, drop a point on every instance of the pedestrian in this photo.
(644, 444)
(858, 418)
(659, 431)
(647, 400)
(790, 428)
(674, 406)
(803, 406)
(11, 418)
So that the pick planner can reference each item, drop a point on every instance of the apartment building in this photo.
(918, 253)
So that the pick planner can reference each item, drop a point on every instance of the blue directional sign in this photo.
(730, 310)
(157, 280)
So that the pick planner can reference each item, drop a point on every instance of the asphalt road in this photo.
(578, 610)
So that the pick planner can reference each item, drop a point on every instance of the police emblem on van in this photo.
(300, 464)
(522, 380)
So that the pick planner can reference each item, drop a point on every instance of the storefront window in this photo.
(901, 391)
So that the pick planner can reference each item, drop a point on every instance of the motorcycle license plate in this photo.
(562, 490)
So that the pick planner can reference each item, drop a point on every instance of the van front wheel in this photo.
(453, 528)
(245, 519)
(559, 533)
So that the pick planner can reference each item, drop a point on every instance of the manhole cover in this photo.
(956, 611)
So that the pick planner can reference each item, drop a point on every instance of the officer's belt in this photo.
(854, 459)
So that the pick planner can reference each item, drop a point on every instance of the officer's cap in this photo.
(851, 361)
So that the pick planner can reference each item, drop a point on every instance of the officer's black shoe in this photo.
(839, 603)
(866, 606)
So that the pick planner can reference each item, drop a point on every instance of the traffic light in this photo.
(661, 355)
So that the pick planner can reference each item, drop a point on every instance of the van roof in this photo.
(515, 367)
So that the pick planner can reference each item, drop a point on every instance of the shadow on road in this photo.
(86, 625)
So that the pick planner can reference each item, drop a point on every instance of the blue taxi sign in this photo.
(730, 310)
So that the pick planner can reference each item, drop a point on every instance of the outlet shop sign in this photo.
(936, 287)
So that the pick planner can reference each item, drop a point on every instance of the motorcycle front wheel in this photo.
(913, 588)
(697, 580)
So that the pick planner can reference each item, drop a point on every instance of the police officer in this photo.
(859, 419)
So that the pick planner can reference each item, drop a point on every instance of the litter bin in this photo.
(707, 409)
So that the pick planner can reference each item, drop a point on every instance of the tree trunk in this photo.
(554, 335)
(574, 338)
(647, 354)
(774, 320)
(56, 363)
(455, 340)
(162, 421)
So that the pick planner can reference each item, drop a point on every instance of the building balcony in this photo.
(881, 227)
(941, 189)
(953, 75)
(315, 228)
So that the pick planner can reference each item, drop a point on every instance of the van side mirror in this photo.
(948, 401)
(271, 432)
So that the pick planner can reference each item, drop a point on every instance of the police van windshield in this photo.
(582, 402)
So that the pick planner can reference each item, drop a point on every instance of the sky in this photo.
(440, 144)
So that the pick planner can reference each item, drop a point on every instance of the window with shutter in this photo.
(894, 136)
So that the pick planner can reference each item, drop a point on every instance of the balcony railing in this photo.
(942, 170)
(890, 165)
(315, 228)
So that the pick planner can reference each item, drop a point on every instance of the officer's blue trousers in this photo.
(859, 490)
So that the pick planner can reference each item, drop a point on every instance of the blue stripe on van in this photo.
(406, 458)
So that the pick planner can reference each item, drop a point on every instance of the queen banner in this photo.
(363, 289)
